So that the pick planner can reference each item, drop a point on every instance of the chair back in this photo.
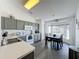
(61, 38)
(48, 38)
(54, 35)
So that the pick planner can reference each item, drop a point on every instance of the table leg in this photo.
(57, 46)
(45, 42)
(53, 44)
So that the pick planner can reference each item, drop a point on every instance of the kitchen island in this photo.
(19, 50)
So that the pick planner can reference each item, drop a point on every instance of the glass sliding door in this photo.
(61, 29)
(67, 32)
(57, 29)
(49, 29)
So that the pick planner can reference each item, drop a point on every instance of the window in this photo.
(57, 29)
(67, 32)
(49, 29)
(61, 29)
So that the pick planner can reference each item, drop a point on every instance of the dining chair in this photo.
(61, 41)
(48, 39)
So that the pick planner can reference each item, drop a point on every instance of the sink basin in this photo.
(10, 41)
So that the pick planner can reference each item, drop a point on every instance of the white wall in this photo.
(55, 9)
(16, 9)
(42, 30)
(0, 30)
(71, 22)
(77, 30)
(77, 36)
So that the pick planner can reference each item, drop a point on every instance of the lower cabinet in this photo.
(23, 38)
(14, 40)
(29, 56)
(37, 37)
(73, 53)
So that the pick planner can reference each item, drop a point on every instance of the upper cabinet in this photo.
(2, 22)
(20, 25)
(28, 23)
(7, 23)
(10, 23)
(14, 24)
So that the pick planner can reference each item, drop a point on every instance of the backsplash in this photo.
(14, 32)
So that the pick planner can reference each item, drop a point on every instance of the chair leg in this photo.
(51, 44)
(54, 44)
(61, 45)
(57, 46)
(45, 42)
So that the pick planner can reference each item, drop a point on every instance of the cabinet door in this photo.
(10, 23)
(2, 22)
(29, 56)
(23, 38)
(38, 36)
(35, 38)
(20, 25)
(26, 23)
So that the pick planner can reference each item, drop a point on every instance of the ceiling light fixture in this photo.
(31, 3)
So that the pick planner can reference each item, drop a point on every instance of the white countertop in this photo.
(16, 50)
(74, 48)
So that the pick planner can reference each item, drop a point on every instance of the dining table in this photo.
(56, 39)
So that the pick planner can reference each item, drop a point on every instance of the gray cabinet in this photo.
(73, 52)
(14, 40)
(29, 56)
(20, 25)
(10, 23)
(26, 23)
(29, 23)
(2, 22)
(7, 23)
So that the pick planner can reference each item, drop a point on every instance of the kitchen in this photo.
(39, 29)
(20, 29)
(21, 34)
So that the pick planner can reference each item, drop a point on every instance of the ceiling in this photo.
(49, 9)
(54, 9)
(15, 8)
